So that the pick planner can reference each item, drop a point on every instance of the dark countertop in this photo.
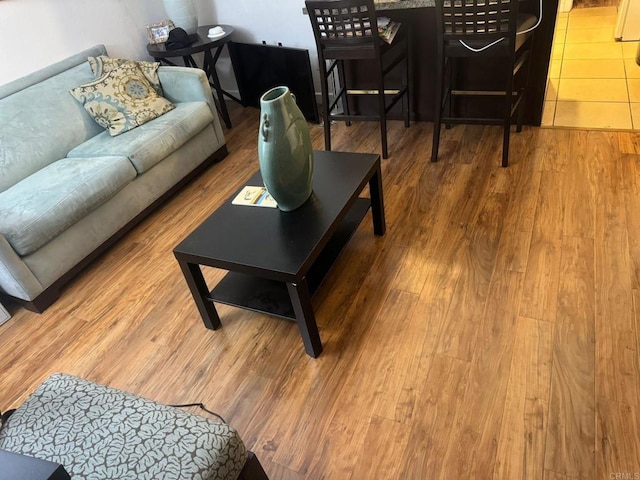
(397, 5)
(401, 4)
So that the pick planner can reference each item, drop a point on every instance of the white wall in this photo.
(256, 21)
(36, 33)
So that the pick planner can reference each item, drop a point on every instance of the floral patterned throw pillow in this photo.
(103, 64)
(121, 99)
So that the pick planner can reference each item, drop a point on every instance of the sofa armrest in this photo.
(15, 277)
(185, 84)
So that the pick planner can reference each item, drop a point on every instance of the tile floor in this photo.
(594, 81)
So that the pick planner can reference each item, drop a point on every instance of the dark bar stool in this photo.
(468, 29)
(346, 30)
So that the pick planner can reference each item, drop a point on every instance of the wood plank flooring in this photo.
(491, 333)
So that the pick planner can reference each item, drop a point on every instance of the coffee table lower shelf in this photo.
(272, 297)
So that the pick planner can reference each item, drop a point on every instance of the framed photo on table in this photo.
(159, 32)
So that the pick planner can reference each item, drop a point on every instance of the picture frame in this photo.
(159, 32)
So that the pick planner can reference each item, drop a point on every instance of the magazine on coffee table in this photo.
(387, 28)
(255, 197)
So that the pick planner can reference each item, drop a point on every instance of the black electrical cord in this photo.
(201, 405)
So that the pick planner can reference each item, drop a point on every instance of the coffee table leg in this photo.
(377, 202)
(301, 301)
(200, 292)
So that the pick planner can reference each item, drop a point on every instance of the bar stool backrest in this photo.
(344, 29)
(477, 20)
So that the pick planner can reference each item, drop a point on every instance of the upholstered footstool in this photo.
(98, 432)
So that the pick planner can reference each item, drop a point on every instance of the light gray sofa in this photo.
(68, 190)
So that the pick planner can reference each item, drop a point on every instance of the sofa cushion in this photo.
(38, 208)
(98, 432)
(121, 99)
(40, 123)
(149, 144)
(103, 64)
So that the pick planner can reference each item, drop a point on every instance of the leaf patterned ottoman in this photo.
(98, 432)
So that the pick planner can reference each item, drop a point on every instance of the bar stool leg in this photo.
(525, 88)
(520, 117)
(508, 104)
(451, 74)
(383, 113)
(345, 96)
(437, 116)
(405, 84)
(325, 104)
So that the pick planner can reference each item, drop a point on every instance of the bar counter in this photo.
(398, 4)
(419, 17)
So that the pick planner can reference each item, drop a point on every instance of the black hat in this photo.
(178, 38)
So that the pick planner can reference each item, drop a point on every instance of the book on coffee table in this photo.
(255, 197)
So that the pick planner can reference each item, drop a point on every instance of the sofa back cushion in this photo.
(40, 121)
(152, 142)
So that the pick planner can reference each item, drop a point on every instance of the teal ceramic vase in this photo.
(284, 149)
(183, 14)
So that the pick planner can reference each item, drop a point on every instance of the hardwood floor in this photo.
(491, 333)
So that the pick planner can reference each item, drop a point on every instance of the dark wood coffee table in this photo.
(277, 260)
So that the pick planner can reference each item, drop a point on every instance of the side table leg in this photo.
(301, 301)
(189, 61)
(377, 202)
(210, 69)
(200, 292)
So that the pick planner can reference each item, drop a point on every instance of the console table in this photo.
(277, 260)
